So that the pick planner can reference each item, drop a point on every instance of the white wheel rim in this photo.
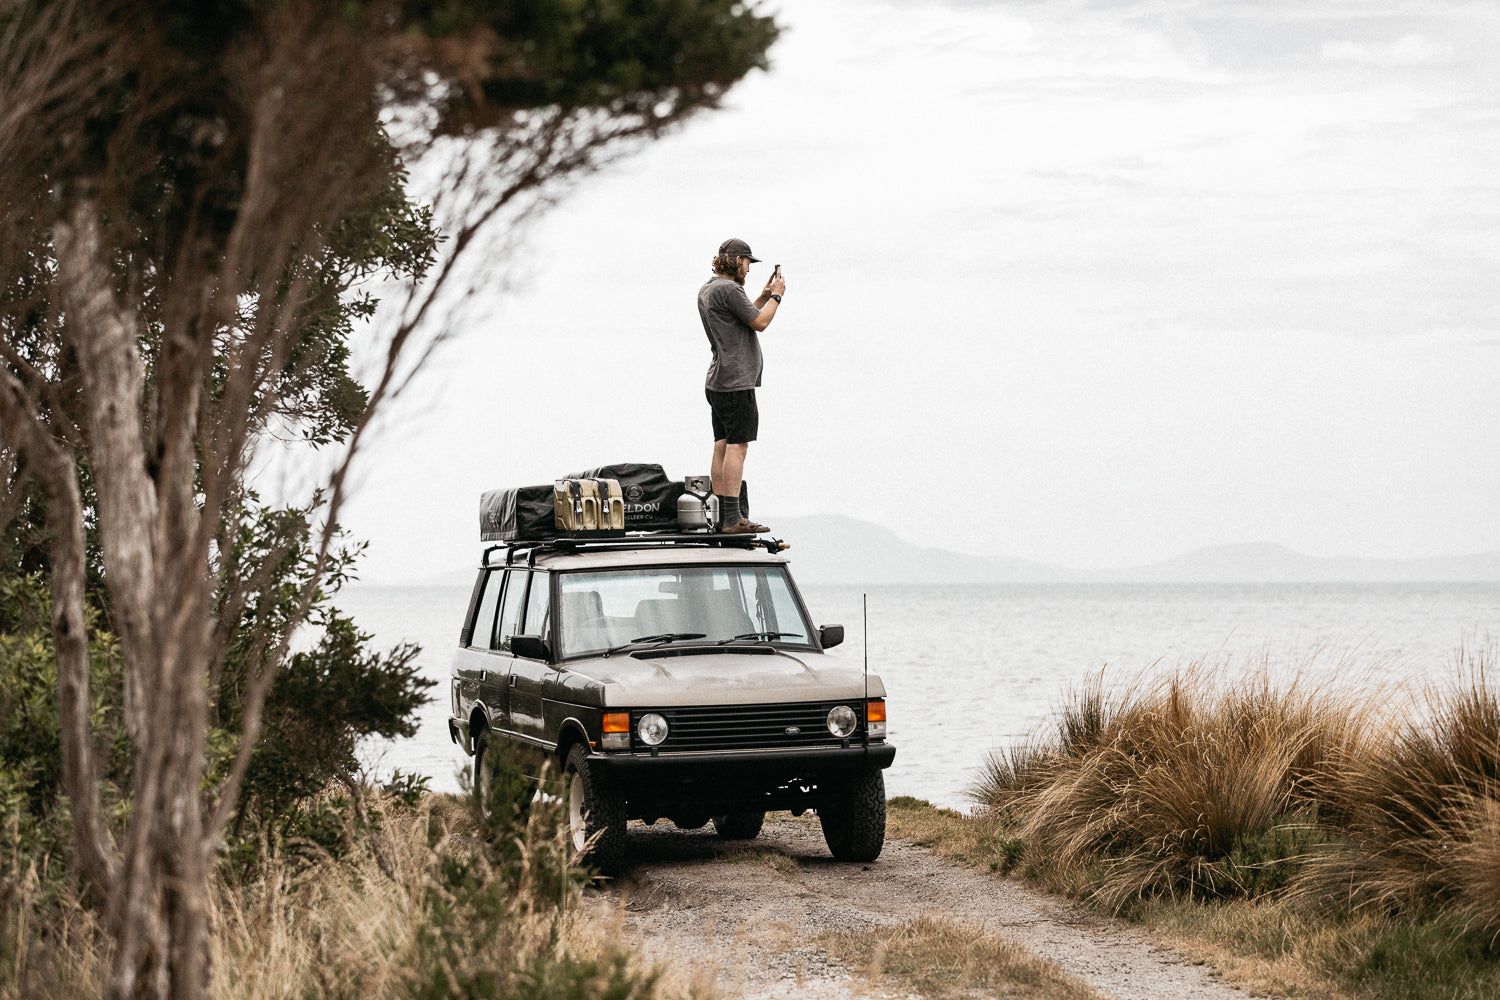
(576, 824)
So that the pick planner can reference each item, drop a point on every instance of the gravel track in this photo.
(746, 916)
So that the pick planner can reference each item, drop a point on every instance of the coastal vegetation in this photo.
(1310, 841)
(214, 271)
(409, 894)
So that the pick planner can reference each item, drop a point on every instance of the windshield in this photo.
(609, 608)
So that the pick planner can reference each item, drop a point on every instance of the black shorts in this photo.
(736, 417)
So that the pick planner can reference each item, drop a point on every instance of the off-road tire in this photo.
(482, 773)
(853, 817)
(739, 825)
(596, 815)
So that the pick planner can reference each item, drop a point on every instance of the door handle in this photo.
(512, 680)
(482, 675)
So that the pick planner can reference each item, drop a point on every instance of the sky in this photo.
(1090, 283)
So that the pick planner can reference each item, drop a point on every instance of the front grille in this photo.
(747, 727)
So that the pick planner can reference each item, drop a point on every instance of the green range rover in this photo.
(670, 677)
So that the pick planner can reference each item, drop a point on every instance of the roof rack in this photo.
(531, 548)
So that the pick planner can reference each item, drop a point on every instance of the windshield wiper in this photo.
(760, 637)
(661, 639)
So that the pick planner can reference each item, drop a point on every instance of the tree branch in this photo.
(54, 468)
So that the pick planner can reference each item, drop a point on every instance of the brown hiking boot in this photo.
(744, 526)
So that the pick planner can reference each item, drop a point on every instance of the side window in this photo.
(539, 607)
(484, 619)
(510, 611)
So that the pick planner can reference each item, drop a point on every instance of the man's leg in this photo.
(733, 469)
(731, 517)
(735, 416)
(716, 468)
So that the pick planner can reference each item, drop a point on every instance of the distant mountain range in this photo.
(833, 549)
(836, 549)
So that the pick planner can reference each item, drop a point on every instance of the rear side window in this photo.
(510, 611)
(483, 633)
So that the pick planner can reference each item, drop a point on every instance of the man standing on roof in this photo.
(733, 324)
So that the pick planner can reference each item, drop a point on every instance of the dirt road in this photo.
(744, 919)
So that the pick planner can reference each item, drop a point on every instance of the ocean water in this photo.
(969, 669)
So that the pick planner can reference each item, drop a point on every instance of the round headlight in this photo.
(842, 720)
(652, 729)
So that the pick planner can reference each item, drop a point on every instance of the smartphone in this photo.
(776, 273)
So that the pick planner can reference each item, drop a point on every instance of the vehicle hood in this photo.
(725, 678)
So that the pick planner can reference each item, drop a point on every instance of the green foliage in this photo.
(322, 704)
(325, 700)
(36, 888)
(406, 789)
(32, 813)
(909, 802)
(596, 53)
(1433, 959)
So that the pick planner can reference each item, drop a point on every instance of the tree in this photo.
(193, 198)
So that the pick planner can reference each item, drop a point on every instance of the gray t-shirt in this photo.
(726, 312)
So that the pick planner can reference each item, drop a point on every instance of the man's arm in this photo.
(776, 286)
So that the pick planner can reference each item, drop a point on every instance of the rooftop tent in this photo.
(519, 513)
(526, 513)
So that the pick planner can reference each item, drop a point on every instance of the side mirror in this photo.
(830, 635)
(530, 647)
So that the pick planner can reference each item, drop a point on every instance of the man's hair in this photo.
(727, 265)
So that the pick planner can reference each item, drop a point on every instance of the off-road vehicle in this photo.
(670, 677)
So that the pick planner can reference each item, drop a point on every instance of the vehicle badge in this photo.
(793, 730)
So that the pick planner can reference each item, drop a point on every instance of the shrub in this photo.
(1178, 786)
(321, 705)
(1419, 809)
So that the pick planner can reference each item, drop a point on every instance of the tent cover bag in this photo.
(522, 513)
(650, 497)
(588, 505)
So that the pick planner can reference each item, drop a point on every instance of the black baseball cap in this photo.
(737, 248)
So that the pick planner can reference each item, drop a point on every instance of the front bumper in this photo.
(776, 766)
(706, 784)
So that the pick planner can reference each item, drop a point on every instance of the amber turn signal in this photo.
(619, 722)
(874, 710)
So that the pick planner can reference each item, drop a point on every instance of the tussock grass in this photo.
(1419, 810)
(1178, 785)
(1310, 841)
(941, 959)
(1270, 944)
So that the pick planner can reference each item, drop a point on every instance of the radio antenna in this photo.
(865, 642)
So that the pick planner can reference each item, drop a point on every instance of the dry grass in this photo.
(49, 946)
(1420, 809)
(1267, 945)
(424, 909)
(1310, 843)
(950, 834)
(334, 929)
(942, 959)
(1174, 785)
